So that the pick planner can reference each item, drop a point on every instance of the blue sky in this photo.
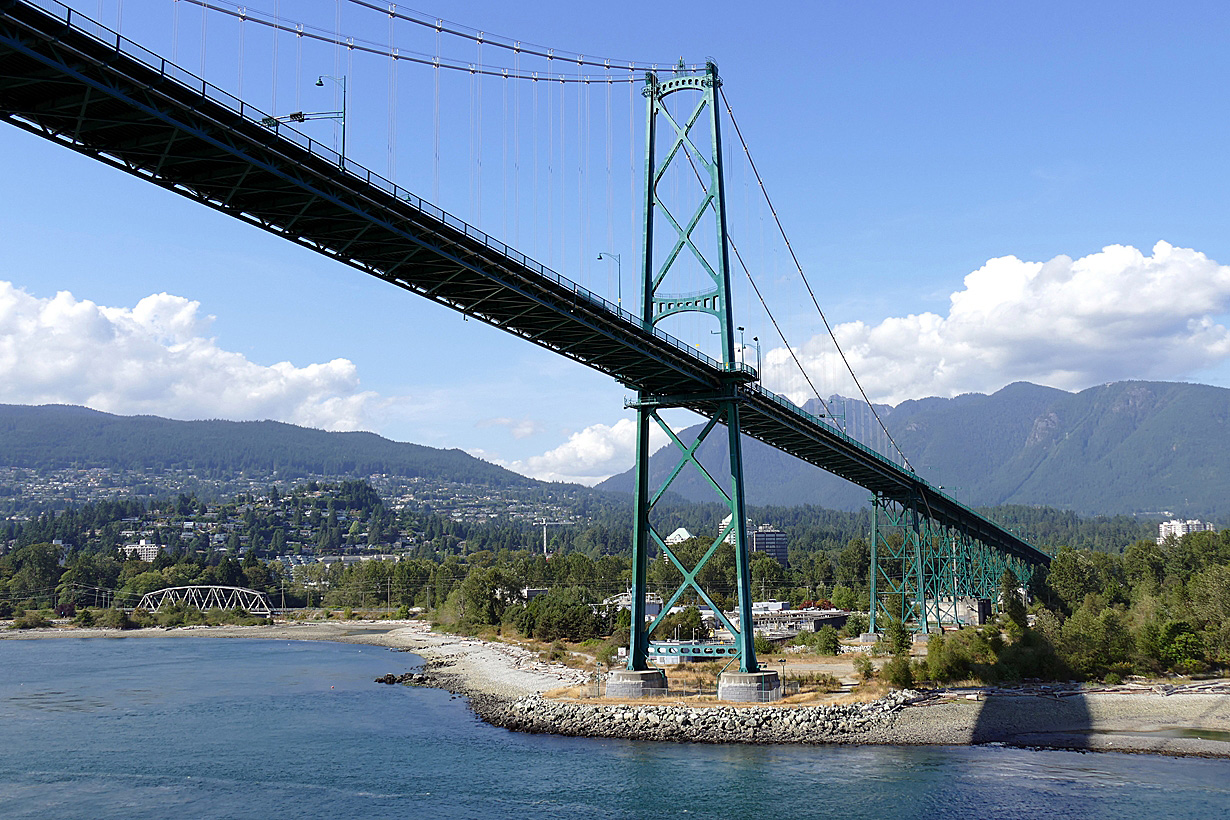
(906, 145)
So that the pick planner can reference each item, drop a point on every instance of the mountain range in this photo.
(1125, 447)
(65, 436)
(1121, 448)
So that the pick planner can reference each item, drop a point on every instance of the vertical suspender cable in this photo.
(504, 156)
(517, 151)
(550, 175)
(435, 185)
(478, 218)
(536, 142)
(470, 145)
(582, 159)
(273, 94)
(337, 63)
(299, 67)
(204, 36)
(392, 92)
(610, 190)
(349, 75)
(242, 30)
(632, 209)
(175, 32)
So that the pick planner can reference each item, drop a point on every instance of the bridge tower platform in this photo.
(690, 273)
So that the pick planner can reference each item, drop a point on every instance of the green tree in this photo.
(35, 572)
(827, 641)
(1013, 605)
(1071, 577)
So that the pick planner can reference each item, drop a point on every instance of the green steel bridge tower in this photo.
(687, 270)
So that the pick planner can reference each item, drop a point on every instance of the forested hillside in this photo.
(1123, 448)
(61, 436)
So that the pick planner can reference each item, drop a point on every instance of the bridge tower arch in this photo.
(685, 269)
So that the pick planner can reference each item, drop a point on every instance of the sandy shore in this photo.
(460, 664)
(494, 675)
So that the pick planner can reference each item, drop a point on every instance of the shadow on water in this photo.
(1032, 720)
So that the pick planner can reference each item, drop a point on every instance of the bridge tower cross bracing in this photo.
(686, 255)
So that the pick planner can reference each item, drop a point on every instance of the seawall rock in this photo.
(836, 723)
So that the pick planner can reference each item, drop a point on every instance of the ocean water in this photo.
(213, 728)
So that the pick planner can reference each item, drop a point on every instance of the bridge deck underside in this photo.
(156, 121)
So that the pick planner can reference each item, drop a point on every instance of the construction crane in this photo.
(544, 524)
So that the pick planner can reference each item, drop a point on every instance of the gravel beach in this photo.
(506, 685)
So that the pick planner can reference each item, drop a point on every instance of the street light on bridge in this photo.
(619, 275)
(320, 82)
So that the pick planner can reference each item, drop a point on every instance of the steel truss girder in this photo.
(921, 570)
(208, 597)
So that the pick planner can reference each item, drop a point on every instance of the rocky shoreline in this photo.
(1189, 724)
(828, 724)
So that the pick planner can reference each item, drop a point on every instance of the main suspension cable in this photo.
(798, 266)
(517, 46)
(389, 50)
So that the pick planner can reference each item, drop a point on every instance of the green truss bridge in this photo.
(69, 80)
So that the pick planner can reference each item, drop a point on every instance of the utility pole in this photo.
(546, 524)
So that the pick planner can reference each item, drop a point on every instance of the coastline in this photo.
(505, 686)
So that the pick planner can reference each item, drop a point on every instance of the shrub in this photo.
(856, 625)
(897, 671)
(763, 645)
(1182, 649)
(826, 641)
(30, 620)
(896, 638)
(179, 614)
(116, 619)
(863, 666)
(84, 617)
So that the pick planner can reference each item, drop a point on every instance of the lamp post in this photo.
(756, 341)
(320, 82)
(619, 275)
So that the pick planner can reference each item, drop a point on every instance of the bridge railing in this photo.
(799, 411)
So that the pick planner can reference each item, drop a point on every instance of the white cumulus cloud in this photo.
(1112, 315)
(589, 456)
(157, 358)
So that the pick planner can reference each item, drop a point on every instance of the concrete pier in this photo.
(750, 687)
(636, 683)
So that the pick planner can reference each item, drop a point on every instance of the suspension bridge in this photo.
(68, 78)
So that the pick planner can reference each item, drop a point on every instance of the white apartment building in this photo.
(1179, 528)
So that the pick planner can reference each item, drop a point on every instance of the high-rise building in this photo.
(730, 539)
(1179, 528)
(769, 540)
